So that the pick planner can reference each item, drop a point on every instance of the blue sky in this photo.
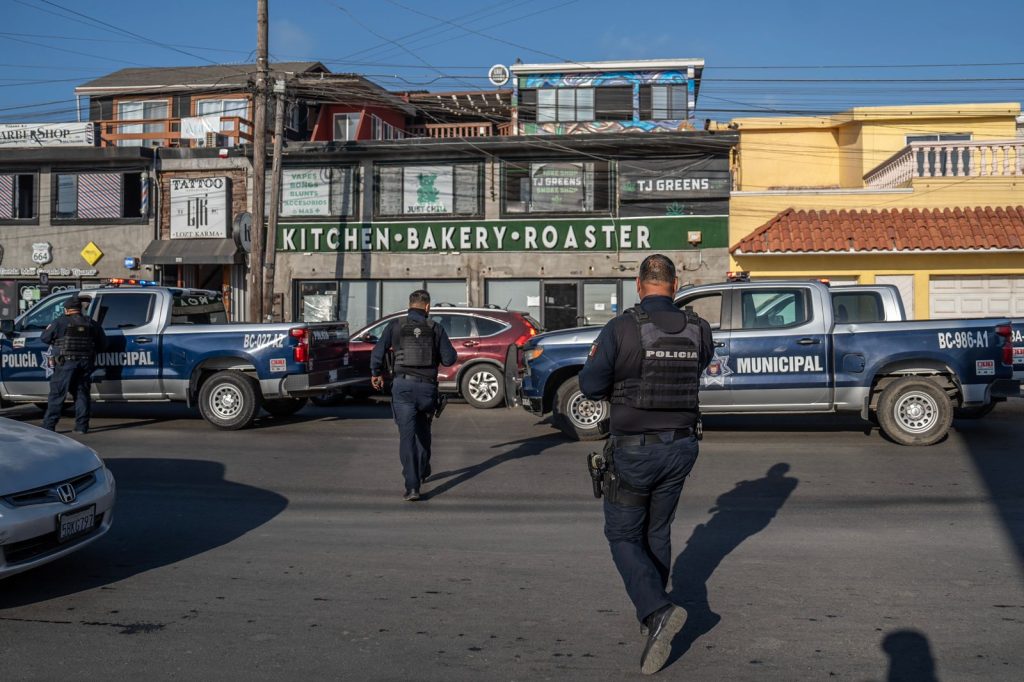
(46, 50)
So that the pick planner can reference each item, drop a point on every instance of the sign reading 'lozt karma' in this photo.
(199, 208)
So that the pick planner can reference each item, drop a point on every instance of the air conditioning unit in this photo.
(213, 140)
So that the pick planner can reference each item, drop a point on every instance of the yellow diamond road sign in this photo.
(91, 253)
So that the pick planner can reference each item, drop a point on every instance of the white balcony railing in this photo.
(948, 160)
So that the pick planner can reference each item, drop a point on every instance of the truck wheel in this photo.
(229, 400)
(579, 417)
(283, 407)
(973, 412)
(915, 411)
(483, 386)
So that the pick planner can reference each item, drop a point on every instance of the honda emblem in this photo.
(66, 493)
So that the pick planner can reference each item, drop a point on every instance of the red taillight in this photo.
(1006, 331)
(531, 331)
(301, 350)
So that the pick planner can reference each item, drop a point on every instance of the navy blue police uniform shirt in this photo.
(617, 355)
(443, 347)
(56, 330)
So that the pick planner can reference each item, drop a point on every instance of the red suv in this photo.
(481, 337)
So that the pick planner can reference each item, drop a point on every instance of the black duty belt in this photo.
(419, 379)
(656, 438)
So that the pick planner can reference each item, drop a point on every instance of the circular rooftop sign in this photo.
(498, 75)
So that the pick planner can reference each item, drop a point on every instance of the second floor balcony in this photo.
(954, 159)
(222, 131)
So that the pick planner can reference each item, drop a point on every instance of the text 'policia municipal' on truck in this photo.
(170, 344)
(803, 347)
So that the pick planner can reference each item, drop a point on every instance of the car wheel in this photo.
(483, 386)
(973, 412)
(579, 417)
(229, 400)
(283, 407)
(915, 411)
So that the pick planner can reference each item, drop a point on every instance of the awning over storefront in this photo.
(192, 252)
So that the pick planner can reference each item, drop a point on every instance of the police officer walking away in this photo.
(75, 339)
(648, 363)
(420, 344)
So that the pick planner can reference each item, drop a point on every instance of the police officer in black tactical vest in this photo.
(648, 363)
(75, 339)
(419, 345)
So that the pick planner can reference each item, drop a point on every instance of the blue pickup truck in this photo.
(788, 347)
(172, 344)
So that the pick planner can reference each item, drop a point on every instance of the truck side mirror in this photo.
(6, 327)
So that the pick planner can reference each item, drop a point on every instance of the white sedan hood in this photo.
(31, 457)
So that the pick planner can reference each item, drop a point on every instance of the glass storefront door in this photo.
(561, 305)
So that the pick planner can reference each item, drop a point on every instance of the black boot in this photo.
(662, 626)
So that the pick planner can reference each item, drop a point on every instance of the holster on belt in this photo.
(615, 489)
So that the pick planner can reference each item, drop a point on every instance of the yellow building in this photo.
(929, 198)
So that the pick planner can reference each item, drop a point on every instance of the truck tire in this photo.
(973, 412)
(283, 407)
(915, 411)
(577, 416)
(229, 400)
(483, 386)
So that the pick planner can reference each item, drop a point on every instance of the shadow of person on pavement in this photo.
(744, 511)
(529, 447)
(910, 657)
(166, 511)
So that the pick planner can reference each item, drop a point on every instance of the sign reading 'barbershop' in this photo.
(508, 235)
(47, 135)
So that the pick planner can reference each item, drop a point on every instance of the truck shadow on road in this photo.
(529, 447)
(167, 510)
(744, 511)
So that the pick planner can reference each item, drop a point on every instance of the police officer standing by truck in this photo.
(648, 363)
(420, 345)
(76, 339)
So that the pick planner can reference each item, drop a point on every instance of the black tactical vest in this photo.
(78, 341)
(669, 378)
(415, 347)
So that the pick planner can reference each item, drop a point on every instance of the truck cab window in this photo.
(857, 307)
(198, 308)
(124, 311)
(43, 314)
(708, 307)
(773, 308)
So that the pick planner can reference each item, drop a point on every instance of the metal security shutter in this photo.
(976, 296)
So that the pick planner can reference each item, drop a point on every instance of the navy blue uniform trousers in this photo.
(74, 376)
(641, 537)
(413, 404)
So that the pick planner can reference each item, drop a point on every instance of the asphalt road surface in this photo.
(807, 549)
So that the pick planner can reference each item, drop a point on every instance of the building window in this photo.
(428, 190)
(17, 196)
(327, 192)
(233, 108)
(947, 160)
(382, 130)
(564, 104)
(363, 302)
(613, 103)
(556, 187)
(664, 102)
(148, 134)
(346, 127)
(99, 196)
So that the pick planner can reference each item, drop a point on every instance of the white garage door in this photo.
(976, 296)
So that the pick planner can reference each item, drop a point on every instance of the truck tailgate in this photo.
(328, 353)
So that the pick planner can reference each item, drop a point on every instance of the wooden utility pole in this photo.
(259, 166)
(275, 199)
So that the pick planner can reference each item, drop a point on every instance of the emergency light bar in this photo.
(737, 276)
(119, 281)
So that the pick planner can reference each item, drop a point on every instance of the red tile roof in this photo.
(896, 230)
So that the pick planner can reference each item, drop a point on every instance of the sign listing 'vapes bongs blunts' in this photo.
(306, 191)
(199, 208)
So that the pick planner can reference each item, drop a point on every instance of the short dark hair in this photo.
(419, 297)
(657, 268)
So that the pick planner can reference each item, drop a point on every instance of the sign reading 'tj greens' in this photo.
(607, 234)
